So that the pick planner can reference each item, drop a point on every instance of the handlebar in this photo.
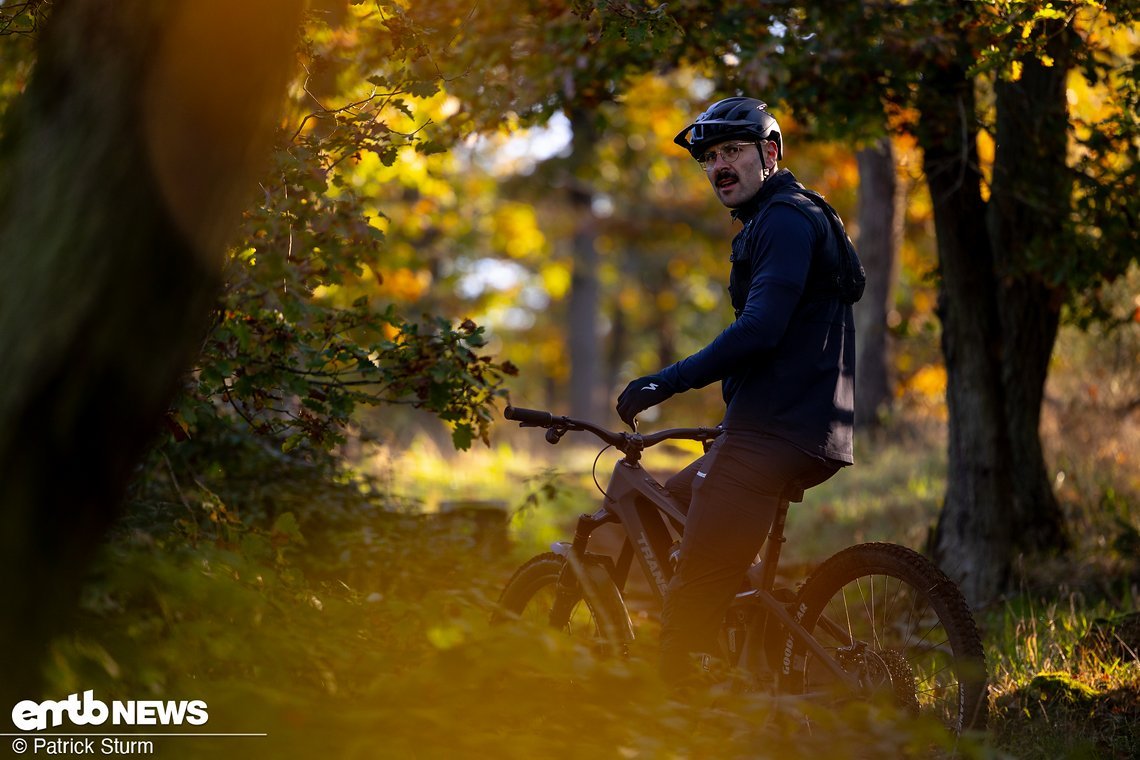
(528, 417)
(630, 444)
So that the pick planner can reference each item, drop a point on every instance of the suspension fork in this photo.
(569, 587)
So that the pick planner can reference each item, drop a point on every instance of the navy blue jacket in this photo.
(787, 363)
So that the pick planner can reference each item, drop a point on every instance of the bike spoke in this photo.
(895, 616)
(894, 597)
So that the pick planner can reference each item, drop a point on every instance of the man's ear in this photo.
(770, 153)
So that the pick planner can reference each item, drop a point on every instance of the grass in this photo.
(1050, 698)
(894, 494)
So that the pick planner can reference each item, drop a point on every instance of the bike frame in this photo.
(648, 538)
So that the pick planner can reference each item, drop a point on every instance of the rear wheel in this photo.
(897, 623)
(530, 595)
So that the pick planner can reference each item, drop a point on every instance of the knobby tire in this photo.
(903, 608)
(530, 593)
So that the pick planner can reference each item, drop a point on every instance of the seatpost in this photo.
(776, 540)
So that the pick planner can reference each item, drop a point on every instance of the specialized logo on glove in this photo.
(641, 394)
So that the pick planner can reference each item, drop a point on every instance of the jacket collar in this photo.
(774, 184)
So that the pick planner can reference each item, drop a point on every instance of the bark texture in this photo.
(584, 328)
(995, 295)
(1029, 203)
(973, 541)
(881, 208)
(123, 168)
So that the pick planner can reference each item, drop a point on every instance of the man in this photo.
(786, 364)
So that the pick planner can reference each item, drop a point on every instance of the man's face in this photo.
(736, 183)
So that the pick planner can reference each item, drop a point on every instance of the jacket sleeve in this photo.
(781, 252)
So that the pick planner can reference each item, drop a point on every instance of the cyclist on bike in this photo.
(786, 365)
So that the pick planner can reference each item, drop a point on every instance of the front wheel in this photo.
(596, 617)
(889, 616)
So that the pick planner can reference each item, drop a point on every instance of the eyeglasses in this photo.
(729, 152)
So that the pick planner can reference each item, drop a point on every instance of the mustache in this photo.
(725, 173)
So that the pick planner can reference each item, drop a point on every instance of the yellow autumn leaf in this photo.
(556, 280)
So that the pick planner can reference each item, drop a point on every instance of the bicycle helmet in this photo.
(744, 118)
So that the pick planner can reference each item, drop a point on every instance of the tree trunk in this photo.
(616, 351)
(1028, 206)
(123, 168)
(585, 290)
(881, 208)
(665, 320)
(973, 541)
(994, 294)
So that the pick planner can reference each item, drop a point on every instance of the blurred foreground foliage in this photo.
(345, 630)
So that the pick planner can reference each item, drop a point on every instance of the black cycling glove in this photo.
(641, 394)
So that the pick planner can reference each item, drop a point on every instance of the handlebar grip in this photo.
(528, 416)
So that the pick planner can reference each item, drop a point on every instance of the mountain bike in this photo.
(874, 620)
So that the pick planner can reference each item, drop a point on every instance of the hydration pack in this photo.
(851, 278)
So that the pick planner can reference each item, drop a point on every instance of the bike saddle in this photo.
(793, 492)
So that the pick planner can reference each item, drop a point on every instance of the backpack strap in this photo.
(850, 278)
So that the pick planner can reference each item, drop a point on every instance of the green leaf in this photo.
(423, 89)
(286, 525)
(461, 436)
(430, 147)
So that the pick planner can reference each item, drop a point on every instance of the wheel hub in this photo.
(881, 672)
